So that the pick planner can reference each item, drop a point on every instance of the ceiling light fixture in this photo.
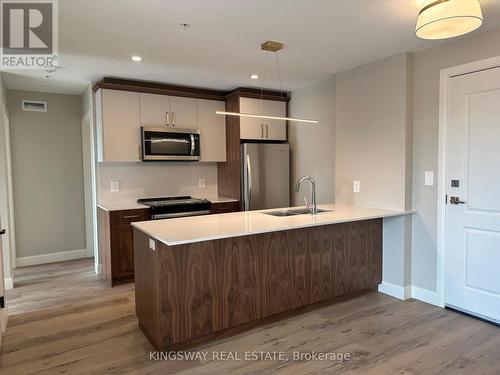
(273, 47)
(442, 19)
(136, 58)
(254, 76)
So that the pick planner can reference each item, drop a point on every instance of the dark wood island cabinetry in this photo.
(193, 291)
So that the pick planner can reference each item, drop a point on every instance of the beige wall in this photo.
(371, 133)
(311, 145)
(146, 180)
(47, 174)
(427, 65)
(373, 144)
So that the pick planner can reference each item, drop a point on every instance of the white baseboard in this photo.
(424, 295)
(393, 290)
(51, 258)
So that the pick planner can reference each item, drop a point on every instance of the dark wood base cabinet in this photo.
(224, 207)
(191, 292)
(116, 243)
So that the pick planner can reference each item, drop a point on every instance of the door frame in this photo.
(444, 78)
(89, 185)
(10, 252)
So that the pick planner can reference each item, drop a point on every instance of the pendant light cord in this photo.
(264, 80)
(279, 75)
(263, 84)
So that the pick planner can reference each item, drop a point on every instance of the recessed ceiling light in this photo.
(254, 76)
(136, 58)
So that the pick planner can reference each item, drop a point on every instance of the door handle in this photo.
(249, 187)
(130, 216)
(2, 232)
(456, 200)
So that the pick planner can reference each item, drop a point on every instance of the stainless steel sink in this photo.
(293, 212)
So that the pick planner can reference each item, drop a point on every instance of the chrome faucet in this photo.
(313, 206)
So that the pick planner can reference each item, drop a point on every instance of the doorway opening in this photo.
(48, 195)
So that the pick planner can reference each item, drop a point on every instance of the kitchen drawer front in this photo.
(224, 207)
(128, 216)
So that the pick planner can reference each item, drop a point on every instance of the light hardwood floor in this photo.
(63, 320)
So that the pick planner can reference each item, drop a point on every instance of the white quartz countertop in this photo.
(121, 205)
(131, 204)
(212, 227)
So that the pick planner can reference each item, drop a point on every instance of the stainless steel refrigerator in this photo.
(265, 175)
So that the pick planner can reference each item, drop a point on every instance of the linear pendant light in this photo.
(274, 47)
(442, 19)
(266, 117)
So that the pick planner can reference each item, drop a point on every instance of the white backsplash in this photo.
(148, 180)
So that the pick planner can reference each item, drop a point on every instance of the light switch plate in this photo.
(115, 186)
(202, 183)
(152, 244)
(356, 186)
(429, 178)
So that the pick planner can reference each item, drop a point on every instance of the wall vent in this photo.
(34, 106)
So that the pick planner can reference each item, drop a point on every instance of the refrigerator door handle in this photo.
(248, 200)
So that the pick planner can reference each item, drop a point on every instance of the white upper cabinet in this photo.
(183, 112)
(212, 130)
(120, 115)
(155, 110)
(275, 129)
(118, 126)
(262, 129)
(170, 111)
(251, 128)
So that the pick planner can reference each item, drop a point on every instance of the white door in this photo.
(183, 112)
(472, 270)
(155, 110)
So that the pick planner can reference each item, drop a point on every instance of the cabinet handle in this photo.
(173, 118)
(167, 118)
(130, 216)
(261, 131)
(267, 131)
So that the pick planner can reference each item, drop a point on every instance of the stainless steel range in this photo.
(179, 206)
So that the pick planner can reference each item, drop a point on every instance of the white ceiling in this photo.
(222, 47)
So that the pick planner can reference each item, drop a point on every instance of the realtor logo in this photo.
(29, 34)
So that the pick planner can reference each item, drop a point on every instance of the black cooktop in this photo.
(184, 205)
(172, 201)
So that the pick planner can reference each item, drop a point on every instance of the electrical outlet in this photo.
(356, 186)
(429, 178)
(115, 186)
(202, 183)
(152, 244)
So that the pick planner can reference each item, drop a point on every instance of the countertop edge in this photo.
(277, 229)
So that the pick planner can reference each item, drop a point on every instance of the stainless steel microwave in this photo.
(159, 143)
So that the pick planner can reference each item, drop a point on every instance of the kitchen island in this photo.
(201, 277)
